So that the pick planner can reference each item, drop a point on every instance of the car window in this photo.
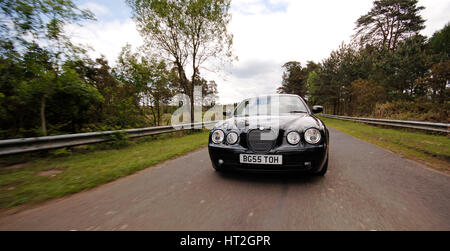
(270, 105)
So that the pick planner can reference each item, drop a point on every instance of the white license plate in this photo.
(261, 159)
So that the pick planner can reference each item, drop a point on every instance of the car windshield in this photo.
(270, 105)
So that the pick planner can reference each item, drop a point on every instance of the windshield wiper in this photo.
(298, 112)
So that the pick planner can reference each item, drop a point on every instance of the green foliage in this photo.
(34, 48)
(391, 72)
(412, 110)
(87, 169)
(389, 22)
(295, 78)
(63, 152)
(365, 95)
(150, 78)
(185, 32)
(38, 19)
(119, 140)
(431, 150)
(440, 44)
(401, 68)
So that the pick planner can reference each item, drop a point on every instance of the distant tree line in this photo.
(387, 70)
(48, 85)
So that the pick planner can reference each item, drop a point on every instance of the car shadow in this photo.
(275, 178)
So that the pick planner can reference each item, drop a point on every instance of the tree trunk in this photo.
(334, 107)
(43, 122)
(194, 74)
(158, 112)
(192, 103)
(154, 115)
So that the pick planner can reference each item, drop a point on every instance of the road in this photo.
(366, 188)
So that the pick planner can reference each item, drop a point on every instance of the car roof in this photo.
(274, 95)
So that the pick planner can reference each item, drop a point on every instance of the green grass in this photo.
(431, 150)
(22, 184)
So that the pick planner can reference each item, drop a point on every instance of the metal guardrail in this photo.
(24, 145)
(419, 125)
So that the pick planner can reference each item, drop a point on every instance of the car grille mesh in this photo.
(261, 141)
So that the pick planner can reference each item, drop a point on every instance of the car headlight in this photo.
(217, 136)
(312, 136)
(232, 138)
(293, 138)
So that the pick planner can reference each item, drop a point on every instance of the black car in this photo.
(276, 133)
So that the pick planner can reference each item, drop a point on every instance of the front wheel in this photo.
(324, 169)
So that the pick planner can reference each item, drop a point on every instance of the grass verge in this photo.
(430, 150)
(45, 178)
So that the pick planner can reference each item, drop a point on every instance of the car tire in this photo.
(324, 169)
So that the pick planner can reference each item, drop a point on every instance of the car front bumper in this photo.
(309, 160)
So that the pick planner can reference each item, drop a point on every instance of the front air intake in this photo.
(261, 141)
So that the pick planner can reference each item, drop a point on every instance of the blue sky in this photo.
(267, 33)
(116, 9)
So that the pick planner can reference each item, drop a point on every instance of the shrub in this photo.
(119, 139)
(420, 109)
(61, 152)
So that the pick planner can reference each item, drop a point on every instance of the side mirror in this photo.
(227, 113)
(317, 109)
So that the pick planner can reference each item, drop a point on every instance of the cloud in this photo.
(299, 31)
(106, 38)
(246, 79)
(435, 14)
(253, 69)
(267, 33)
(264, 40)
(97, 9)
(251, 7)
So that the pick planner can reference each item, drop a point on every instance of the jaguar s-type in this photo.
(275, 133)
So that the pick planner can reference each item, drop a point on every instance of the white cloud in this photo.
(435, 14)
(294, 31)
(106, 38)
(267, 33)
(97, 9)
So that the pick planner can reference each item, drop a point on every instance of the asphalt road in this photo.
(366, 188)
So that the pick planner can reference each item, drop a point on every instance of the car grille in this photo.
(261, 141)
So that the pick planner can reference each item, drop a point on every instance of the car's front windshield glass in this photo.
(270, 105)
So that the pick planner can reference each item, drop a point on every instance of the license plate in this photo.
(261, 159)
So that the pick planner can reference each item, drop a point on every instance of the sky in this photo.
(267, 34)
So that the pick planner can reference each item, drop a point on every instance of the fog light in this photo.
(220, 162)
(308, 164)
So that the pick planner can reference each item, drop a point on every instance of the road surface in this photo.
(366, 188)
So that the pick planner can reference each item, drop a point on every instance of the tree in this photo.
(14, 90)
(401, 68)
(26, 78)
(73, 102)
(36, 26)
(150, 78)
(439, 44)
(294, 79)
(365, 95)
(121, 107)
(438, 82)
(187, 32)
(209, 93)
(43, 77)
(389, 22)
(38, 19)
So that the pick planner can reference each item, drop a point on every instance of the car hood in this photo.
(295, 122)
